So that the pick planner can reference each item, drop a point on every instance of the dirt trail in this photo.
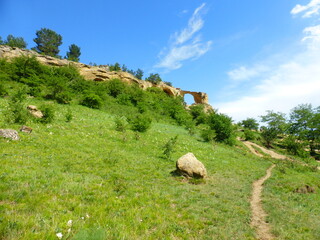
(267, 151)
(258, 214)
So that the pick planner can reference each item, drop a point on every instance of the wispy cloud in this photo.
(186, 44)
(312, 8)
(312, 36)
(244, 73)
(283, 85)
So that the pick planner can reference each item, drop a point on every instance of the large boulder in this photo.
(190, 166)
(9, 133)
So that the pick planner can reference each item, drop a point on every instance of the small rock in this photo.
(189, 165)
(35, 111)
(9, 133)
(26, 129)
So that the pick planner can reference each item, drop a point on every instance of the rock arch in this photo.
(199, 97)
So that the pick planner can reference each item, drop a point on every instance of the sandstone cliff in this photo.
(100, 73)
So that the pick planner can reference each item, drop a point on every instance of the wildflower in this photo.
(82, 218)
(69, 224)
(69, 230)
(59, 235)
(87, 215)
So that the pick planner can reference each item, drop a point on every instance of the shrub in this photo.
(222, 125)
(69, 115)
(63, 97)
(17, 113)
(48, 114)
(3, 90)
(92, 100)
(198, 114)
(140, 123)
(124, 99)
(169, 147)
(208, 135)
(121, 124)
(115, 87)
(249, 135)
(295, 147)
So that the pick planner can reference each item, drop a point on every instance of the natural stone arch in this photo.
(199, 97)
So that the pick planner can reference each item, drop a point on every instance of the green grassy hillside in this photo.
(80, 178)
(65, 171)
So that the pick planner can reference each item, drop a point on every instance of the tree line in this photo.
(297, 131)
(47, 43)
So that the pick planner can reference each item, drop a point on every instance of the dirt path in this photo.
(258, 215)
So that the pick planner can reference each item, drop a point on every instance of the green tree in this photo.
(1, 41)
(116, 67)
(250, 123)
(154, 78)
(139, 74)
(74, 53)
(275, 120)
(15, 42)
(48, 42)
(276, 125)
(305, 123)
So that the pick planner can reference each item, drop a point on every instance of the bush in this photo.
(169, 147)
(121, 124)
(140, 123)
(48, 114)
(295, 147)
(17, 113)
(222, 125)
(208, 135)
(92, 101)
(69, 116)
(249, 135)
(3, 90)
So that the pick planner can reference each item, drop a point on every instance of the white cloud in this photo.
(185, 44)
(312, 36)
(312, 8)
(294, 82)
(283, 85)
(244, 73)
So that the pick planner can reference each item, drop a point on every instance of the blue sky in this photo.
(249, 56)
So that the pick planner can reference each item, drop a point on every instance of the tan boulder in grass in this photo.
(35, 111)
(190, 166)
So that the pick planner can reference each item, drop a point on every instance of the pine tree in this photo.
(48, 42)
(74, 53)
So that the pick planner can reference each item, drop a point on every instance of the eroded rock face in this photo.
(190, 166)
(9, 133)
(101, 73)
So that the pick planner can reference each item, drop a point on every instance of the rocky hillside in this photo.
(95, 73)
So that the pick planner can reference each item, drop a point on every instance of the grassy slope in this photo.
(65, 171)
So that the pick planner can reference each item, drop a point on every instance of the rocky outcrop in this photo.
(34, 111)
(190, 166)
(9, 133)
(100, 73)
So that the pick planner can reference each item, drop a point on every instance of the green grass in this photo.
(114, 186)
(293, 215)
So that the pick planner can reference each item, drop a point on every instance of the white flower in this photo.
(87, 215)
(82, 218)
(69, 230)
(59, 235)
(69, 224)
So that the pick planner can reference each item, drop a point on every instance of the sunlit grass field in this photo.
(115, 185)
